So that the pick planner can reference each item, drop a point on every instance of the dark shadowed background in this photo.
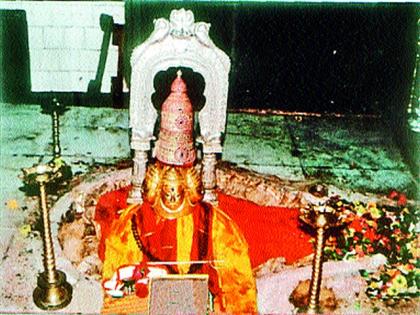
(346, 58)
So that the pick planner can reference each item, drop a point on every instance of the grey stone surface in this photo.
(6, 241)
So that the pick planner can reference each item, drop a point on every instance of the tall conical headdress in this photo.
(175, 145)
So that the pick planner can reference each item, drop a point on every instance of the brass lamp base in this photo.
(52, 296)
(311, 311)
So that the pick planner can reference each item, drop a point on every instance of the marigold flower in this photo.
(392, 291)
(405, 269)
(372, 229)
(373, 224)
(393, 272)
(142, 290)
(370, 234)
(375, 212)
(360, 209)
(393, 194)
(414, 250)
(384, 241)
(357, 225)
(359, 251)
(399, 282)
(402, 200)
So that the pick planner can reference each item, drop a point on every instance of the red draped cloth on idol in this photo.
(270, 231)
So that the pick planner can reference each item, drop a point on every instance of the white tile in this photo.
(36, 59)
(96, 17)
(84, 14)
(55, 81)
(39, 80)
(36, 17)
(117, 12)
(80, 80)
(10, 5)
(60, 81)
(89, 60)
(54, 37)
(71, 60)
(74, 37)
(36, 37)
(111, 69)
(69, 14)
(111, 65)
(52, 59)
(106, 84)
(93, 38)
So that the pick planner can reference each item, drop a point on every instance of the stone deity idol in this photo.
(174, 224)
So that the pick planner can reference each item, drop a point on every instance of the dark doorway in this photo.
(14, 52)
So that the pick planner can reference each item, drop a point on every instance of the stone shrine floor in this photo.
(355, 154)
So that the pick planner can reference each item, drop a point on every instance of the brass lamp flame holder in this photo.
(53, 291)
(321, 218)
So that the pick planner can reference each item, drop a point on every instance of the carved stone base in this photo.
(135, 197)
(210, 196)
(209, 177)
(139, 173)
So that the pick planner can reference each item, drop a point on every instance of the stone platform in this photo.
(356, 155)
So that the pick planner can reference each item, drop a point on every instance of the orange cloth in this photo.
(205, 234)
(269, 231)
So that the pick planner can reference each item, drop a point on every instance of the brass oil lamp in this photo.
(56, 109)
(321, 218)
(53, 291)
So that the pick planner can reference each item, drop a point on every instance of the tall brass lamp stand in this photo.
(321, 218)
(55, 109)
(53, 291)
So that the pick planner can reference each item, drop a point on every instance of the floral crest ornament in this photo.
(387, 230)
(181, 24)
